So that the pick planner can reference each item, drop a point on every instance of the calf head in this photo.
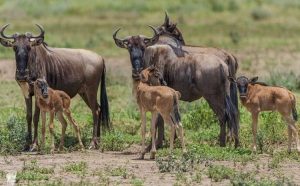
(136, 46)
(41, 88)
(152, 77)
(21, 44)
(242, 84)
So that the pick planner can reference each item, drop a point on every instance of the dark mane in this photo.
(259, 83)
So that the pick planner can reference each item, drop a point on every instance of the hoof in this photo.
(141, 157)
(152, 155)
(93, 145)
(33, 148)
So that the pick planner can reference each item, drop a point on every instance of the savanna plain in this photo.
(264, 36)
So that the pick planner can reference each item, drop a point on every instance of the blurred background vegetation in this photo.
(263, 34)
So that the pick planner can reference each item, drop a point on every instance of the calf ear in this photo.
(231, 79)
(37, 42)
(254, 79)
(6, 43)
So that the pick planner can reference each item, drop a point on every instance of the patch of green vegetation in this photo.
(79, 168)
(119, 171)
(136, 182)
(32, 172)
(220, 172)
(117, 141)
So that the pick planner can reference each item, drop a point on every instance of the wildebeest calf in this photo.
(157, 100)
(54, 102)
(257, 97)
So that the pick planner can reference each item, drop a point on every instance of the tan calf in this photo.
(157, 100)
(258, 97)
(54, 102)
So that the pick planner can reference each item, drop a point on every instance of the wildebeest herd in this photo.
(164, 70)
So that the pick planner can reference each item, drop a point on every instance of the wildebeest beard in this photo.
(137, 61)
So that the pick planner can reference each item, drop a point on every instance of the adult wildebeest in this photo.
(194, 75)
(74, 71)
(258, 97)
(169, 34)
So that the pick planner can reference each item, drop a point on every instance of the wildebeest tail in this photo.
(233, 66)
(294, 110)
(231, 111)
(175, 115)
(104, 106)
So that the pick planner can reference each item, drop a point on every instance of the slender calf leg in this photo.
(181, 135)
(254, 129)
(153, 134)
(43, 115)
(35, 122)
(75, 125)
(292, 130)
(64, 125)
(28, 102)
(51, 129)
(172, 135)
(143, 132)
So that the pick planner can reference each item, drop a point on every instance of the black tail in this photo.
(175, 115)
(295, 115)
(104, 107)
(231, 109)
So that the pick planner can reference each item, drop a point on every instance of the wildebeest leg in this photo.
(143, 133)
(181, 136)
(64, 125)
(36, 118)
(160, 134)
(28, 102)
(43, 115)
(91, 97)
(216, 102)
(254, 129)
(51, 129)
(153, 134)
(76, 127)
(292, 130)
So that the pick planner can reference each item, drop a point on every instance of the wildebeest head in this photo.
(169, 28)
(152, 76)
(242, 84)
(21, 44)
(136, 46)
(41, 87)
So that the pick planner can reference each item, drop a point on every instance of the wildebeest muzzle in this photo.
(22, 75)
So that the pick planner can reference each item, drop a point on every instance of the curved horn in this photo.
(3, 35)
(154, 39)
(167, 20)
(41, 34)
(119, 42)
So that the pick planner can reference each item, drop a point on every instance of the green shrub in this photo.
(199, 115)
(117, 141)
(13, 135)
(220, 172)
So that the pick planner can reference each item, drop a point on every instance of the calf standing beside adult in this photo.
(74, 71)
(194, 75)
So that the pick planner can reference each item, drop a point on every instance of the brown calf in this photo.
(54, 102)
(257, 97)
(157, 100)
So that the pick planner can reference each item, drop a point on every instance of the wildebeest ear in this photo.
(254, 79)
(231, 79)
(6, 42)
(37, 41)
